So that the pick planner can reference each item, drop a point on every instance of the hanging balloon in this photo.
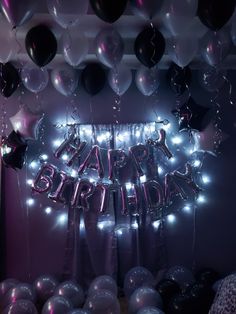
(13, 149)
(147, 80)
(65, 79)
(9, 79)
(18, 12)
(75, 46)
(147, 9)
(67, 13)
(109, 47)
(41, 45)
(149, 46)
(215, 47)
(182, 50)
(108, 11)
(120, 79)
(215, 14)
(35, 79)
(9, 46)
(26, 123)
(179, 78)
(212, 79)
(93, 78)
(180, 15)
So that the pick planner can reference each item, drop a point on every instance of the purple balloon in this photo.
(102, 302)
(216, 46)
(144, 297)
(71, 291)
(147, 80)
(109, 47)
(181, 275)
(45, 287)
(19, 292)
(57, 305)
(21, 307)
(103, 283)
(137, 277)
(150, 310)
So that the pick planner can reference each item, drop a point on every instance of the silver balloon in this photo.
(102, 302)
(212, 79)
(45, 287)
(109, 47)
(179, 15)
(6, 285)
(75, 46)
(150, 310)
(120, 79)
(136, 278)
(57, 305)
(21, 307)
(182, 50)
(18, 12)
(65, 80)
(147, 80)
(72, 292)
(216, 46)
(19, 292)
(103, 283)
(35, 79)
(144, 297)
(146, 8)
(181, 275)
(67, 13)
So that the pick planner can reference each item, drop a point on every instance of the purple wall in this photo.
(35, 234)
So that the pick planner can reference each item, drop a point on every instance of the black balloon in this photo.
(180, 304)
(108, 10)
(215, 13)
(201, 297)
(9, 79)
(149, 46)
(179, 78)
(93, 78)
(167, 289)
(192, 116)
(207, 276)
(41, 45)
(13, 149)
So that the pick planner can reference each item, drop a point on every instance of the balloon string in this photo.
(218, 130)
(116, 106)
(3, 120)
(153, 43)
(230, 90)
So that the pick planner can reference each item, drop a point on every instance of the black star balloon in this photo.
(192, 116)
(13, 149)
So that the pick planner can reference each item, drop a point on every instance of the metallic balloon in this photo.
(26, 123)
(212, 79)
(35, 79)
(45, 287)
(139, 153)
(43, 183)
(18, 12)
(57, 305)
(67, 13)
(102, 302)
(137, 277)
(94, 154)
(181, 275)
(215, 47)
(72, 292)
(183, 49)
(103, 283)
(150, 310)
(147, 9)
(143, 297)
(109, 47)
(19, 292)
(58, 195)
(65, 79)
(153, 194)
(147, 80)
(75, 46)
(21, 307)
(120, 79)
(117, 159)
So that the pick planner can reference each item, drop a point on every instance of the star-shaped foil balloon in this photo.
(209, 139)
(26, 123)
(13, 149)
(192, 116)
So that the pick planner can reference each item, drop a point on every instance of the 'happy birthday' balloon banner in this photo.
(138, 161)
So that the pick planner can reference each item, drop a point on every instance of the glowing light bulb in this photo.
(171, 218)
(30, 201)
(143, 179)
(160, 170)
(138, 133)
(135, 225)
(62, 219)
(30, 182)
(48, 210)
(187, 209)
(206, 179)
(57, 143)
(44, 157)
(177, 140)
(128, 186)
(197, 163)
(65, 157)
(74, 173)
(201, 199)
(156, 224)
(33, 164)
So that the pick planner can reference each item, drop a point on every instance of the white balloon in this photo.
(182, 50)
(120, 79)
(75, 46)
(147, 80)
(65, 79)
(9, 46)
(35, 79)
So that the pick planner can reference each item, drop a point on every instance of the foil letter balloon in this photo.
(44, 179)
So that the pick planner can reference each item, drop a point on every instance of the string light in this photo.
(187, 209)
(29, 182)
(30, 201)
(171, 218)
(201, 199)
(62, 219)
(206, 179)
(57, 143)
(197, 163)
(48, 210)
(177, 140)
(156, 224)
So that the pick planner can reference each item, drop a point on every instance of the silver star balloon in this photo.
(26, 123)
